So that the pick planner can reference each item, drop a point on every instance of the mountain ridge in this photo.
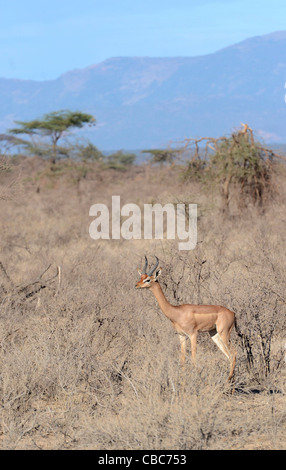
(144, 102)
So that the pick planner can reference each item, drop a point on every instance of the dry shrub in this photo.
(95, 364)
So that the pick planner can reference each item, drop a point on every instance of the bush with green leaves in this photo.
(88, 153)
(119, 160)
(240, 162)
(238, 165)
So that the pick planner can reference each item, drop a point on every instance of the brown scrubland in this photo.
(89, 362)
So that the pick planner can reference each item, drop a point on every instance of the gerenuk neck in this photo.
(169, 310)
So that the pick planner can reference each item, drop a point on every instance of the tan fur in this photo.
(188, 320)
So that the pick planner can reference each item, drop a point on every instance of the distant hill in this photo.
(148, 102)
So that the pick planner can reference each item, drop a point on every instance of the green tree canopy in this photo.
(53, 125)
(120, 160)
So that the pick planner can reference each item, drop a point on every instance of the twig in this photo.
(36, 285)
(60, 280)
(7, 277)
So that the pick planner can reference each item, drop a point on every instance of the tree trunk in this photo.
(226, 195)
(53, 157)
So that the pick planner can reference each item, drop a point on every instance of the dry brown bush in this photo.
(93, 364)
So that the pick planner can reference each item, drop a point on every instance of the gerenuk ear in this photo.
(158, 273)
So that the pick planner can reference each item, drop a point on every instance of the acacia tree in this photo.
(241, 162)
(53, 125)
(237, 163)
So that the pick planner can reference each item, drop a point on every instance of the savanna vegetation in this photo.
(87, 361)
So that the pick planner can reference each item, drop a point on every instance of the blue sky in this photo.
(40, 40)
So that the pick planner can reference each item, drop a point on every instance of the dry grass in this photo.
(93, 363)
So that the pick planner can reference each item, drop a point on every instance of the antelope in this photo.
(188, 319)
